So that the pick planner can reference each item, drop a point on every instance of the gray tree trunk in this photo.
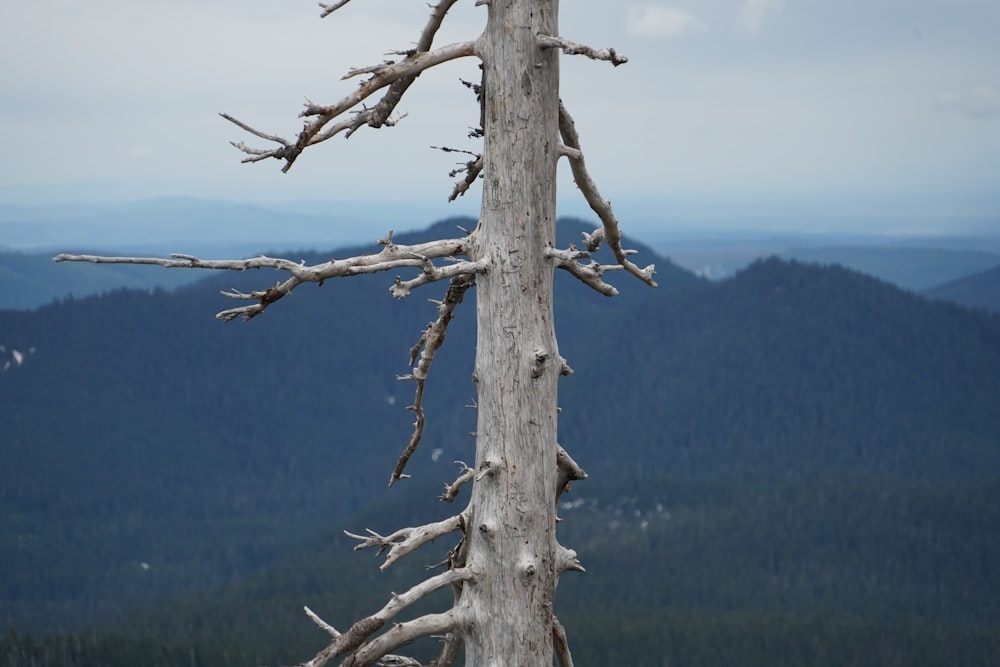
(511, 532)
(505, 568)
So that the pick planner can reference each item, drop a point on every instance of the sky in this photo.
(853, 114)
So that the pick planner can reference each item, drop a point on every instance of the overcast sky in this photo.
(850, 106)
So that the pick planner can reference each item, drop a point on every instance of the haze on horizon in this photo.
(793, 114)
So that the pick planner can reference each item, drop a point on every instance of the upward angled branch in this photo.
(356, 637)
(397, 76)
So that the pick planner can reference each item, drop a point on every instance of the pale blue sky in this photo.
(788, 106)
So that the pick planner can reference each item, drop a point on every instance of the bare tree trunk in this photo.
(511, 530)
(505, 568)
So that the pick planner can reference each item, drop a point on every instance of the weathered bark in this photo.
(511, 526)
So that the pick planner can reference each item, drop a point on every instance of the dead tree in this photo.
(506, 563)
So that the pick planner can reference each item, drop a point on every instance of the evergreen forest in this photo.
(797, 465)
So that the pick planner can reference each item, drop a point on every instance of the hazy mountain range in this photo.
(30, 236)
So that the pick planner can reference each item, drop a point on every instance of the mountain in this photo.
(980, 290)
(800, 453)
(30, 280)
(909, 266)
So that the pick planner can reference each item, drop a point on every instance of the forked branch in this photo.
(406, 540)
(600, 206)
(590, 274)
(451, 490)
(394, 75)
(356, 638)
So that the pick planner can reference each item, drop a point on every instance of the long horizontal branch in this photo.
(406, 540)
(573, 49)
(600, 206)
(391, 257)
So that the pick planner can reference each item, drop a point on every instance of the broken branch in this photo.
(573, 49)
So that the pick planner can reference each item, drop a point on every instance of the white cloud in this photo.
(980, 102)
(754, 12)
(653, 20)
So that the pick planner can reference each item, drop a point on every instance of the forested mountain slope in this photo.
(980, 290)
(794, 440)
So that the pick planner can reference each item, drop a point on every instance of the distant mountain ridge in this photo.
(30, 235)
(980, 290)
(915, 268)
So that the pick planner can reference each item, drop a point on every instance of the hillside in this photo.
(915, 267)
(30, 280)
(980, 290)
(795, 447)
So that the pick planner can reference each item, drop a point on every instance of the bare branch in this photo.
(472, 170)
(451, 490)
(392, 256)
(330, 630)
(315, 131)
(590, 274)
(402, 634)
(359, 633)
(566, 561)
(573, 49)
(422, 354)
(569, 471)
(450, 651)
(560, 644)
(398, 76)
(406, 540)
(371, 69)
(571, 153)
(600, 206)
(410, 66)
(402, 288)
(329, 9)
